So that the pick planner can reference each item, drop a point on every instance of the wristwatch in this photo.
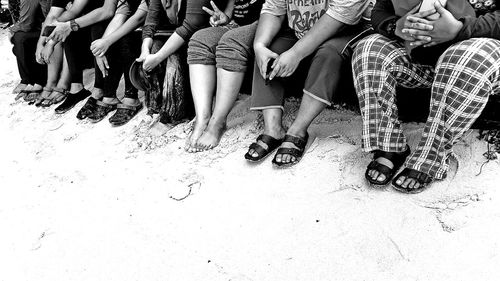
(390, 27)
(74, 25)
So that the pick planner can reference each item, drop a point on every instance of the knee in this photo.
(478, 54)
(199, 47)
(373, 44)
(18, 40)
(231, 53)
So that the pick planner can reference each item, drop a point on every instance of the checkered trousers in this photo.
(463, 78)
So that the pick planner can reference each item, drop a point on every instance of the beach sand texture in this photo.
(82, 201)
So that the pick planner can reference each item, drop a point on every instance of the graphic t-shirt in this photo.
(247, 11)
(303, 14)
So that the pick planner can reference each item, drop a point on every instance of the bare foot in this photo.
(212, 135)
(19, 88)
(22, 94)
(192, 141)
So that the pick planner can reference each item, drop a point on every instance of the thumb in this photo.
(273, 55)
(106, 63)
(439, 8)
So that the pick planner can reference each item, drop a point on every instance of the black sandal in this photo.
(61, 95)
(124, 113)
(262, 152)
(397, 159)
(422, 178)
(101, 111)
(298, 152)
(87, 109)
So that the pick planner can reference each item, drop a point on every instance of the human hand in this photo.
(47, 51)
(150, 62)
(102, 63)
(38, 52)
(403, 22)
(262, 57)
(285, 65)
(61, 32)
(217, 17)
(99, 47)
(444, 29)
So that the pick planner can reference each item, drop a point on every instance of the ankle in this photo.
(274, 131)
(110, 100)
(298, 132)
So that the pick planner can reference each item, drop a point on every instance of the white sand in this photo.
(82, 201)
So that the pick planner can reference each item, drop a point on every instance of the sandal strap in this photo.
(258, 148)
(60, 91)
(129, 107)
(297, 141)
(297, 153)
(100, 103)
(268, 140)
(47, 89)
(397, 158)
(421, 177)
(381, 168)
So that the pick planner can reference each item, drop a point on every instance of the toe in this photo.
(381, 178)
(279, 158)
(406, 183)
(400, 180)
(292, 159)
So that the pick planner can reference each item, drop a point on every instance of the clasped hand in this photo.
(420, 30)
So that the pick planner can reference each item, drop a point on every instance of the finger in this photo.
(263, 67)
(439, 8)
(416, 25)
(105, 60)
(216, 9)
(418, 20)
(418, 43)
(212, 21)
(210, 12)
(425, 14)
(276, 68)
(414, 32)
(430, 44)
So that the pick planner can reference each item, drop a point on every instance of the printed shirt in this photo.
(303, 14)
(246, 11)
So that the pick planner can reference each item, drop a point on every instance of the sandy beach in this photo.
(83, 201)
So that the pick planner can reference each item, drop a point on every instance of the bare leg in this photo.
(272, 127)
(228, 87)
(63, 83)
(53, 73)
(202, 78)
(309, 109)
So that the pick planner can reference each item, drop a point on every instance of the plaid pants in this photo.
(461, 82)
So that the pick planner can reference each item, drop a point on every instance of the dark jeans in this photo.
(120, 57)
(24, 49)
(78, 54)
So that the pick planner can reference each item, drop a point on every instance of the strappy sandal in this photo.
(24, 94)
(60, 96)
(124, 113)
(397, 159)
(297, 153)
(262, 152)
(421, 178)
(101, 111)
(42, 97)
(32, 95)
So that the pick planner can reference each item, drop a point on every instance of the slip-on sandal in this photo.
(397, 159)
(101, 111)
(87, 109)
(124, 113)
(298, 152)
(422, 178)
(262, 152)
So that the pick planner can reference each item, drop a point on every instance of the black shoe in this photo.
(87, 109)
(101, 111)
(71, 100)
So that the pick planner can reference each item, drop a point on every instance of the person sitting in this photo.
(23, 35)
(218, 58)
(51, 54)
(115, 52)
(77, 32)
(465, 75)
(317, 41)
(186, 17)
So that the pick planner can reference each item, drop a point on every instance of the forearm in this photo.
(124, 27)
(146, 45)
(269, 25)
(487, 26)
(323, 29)
(173, 44)
(103, 13)
(229, 9)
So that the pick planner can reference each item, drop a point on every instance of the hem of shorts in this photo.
(267, 107)
(317, 98)
(203, 62)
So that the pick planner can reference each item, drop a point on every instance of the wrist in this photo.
(259, 45)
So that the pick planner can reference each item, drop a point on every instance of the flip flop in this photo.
(298, 152)
(41, 98)
(262, 152)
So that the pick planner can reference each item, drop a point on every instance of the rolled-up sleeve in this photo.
(274, 7)
(487, 25)
(348, 12)
(155, 14)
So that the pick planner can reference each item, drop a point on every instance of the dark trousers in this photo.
(78, 54)
(24, 49)
(120, 57)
